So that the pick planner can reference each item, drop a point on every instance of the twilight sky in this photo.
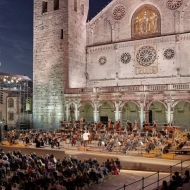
(16, 34)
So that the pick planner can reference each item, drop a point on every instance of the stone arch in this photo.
(178, 101)
(106, 109)
(181, 113)
(86, 111)
(82, 102)
(156, 111)
(149, 104)
(123, 104)
(102, 32)
(146, 22)
(130, 111)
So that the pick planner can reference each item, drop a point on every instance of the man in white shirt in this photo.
(85, 137)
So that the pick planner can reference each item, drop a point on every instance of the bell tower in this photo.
(59, 57)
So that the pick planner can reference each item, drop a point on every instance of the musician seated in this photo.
(55, 143)
(150, 146)
(180, 146)
(99, 125)
(118, 126)
(166, 148)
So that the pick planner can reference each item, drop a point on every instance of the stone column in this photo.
(67, 111)
(117, 117)
(142, 114)
(76, 112)
(168, 112)
(172, 116)
(96, 112)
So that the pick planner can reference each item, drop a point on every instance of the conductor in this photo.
(85, 137)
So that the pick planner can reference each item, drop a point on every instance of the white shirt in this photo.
(85, 136)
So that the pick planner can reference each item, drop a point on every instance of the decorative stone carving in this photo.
(169, 53)
(174, 4)
(102, 60)
(146, 55)
(146, 22)
(125, 58)
(119, 12)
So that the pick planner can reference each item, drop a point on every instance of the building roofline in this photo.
(22, 77)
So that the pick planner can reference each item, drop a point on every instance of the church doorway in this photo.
(130, 112)
(182, 114)
(107, 110)
(86, 112)
(157, 113)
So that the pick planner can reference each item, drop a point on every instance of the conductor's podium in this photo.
(169, 155)
(156, 151)
(150, 155)
(83, 148)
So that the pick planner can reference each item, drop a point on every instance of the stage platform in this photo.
(133, 160)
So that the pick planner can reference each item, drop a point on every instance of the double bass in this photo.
(118, 126)
(110, 125)
(99, 125)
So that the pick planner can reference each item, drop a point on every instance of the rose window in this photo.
(119, 12)
(125, 58)
(102, 60)
(169, 53)
(174, 4)
(146, 55)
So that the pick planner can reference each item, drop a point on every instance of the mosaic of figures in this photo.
(146, 22)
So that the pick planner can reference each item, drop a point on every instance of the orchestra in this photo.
(108, 135)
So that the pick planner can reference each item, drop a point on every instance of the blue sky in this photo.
(16, 34)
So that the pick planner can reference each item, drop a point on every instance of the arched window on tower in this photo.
(10, 102)
(44, 6)
(82, 9)
(75, 5)
(56, 4)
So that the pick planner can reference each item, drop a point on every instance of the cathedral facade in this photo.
(130, 62)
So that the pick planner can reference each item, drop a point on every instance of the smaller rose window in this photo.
(174, 4)
(102, 60)
(169, 53)
(119, 12)
(125, 58)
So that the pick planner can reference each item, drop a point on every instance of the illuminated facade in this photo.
(15, 101)
(130, 62)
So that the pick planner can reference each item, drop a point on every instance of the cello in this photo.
(118, 126)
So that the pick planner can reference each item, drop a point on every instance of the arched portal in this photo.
(107, 111)
(130, 112)
(86, 112)
(157, 112)
(182, 114)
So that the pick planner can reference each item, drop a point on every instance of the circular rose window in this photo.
(119, 12)
(169, 53)
(125, 58)
(146, 55)
(174, 4)
(102, 60)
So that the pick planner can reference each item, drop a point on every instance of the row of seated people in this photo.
(177, 182)
(35, 172)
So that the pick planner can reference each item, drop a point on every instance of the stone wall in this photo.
(116, 18)
(50, 63)
(114, 60)
(116, 64)
(77, 42)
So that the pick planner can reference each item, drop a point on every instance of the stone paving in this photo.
(127, 177)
